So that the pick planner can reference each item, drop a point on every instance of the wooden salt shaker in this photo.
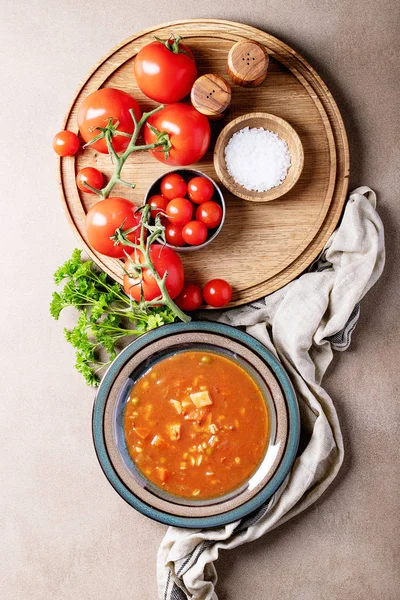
(247, 63)
(211, 95)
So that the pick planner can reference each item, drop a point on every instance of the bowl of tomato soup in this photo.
(192, 425)
(197, 423)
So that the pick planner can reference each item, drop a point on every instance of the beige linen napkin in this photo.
(301, 323)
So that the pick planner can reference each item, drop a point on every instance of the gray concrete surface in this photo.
(64, 533)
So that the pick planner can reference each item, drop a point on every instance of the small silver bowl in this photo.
(187, 175)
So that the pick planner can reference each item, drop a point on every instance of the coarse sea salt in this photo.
(257, 159)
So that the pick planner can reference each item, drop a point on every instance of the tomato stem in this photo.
(162, 141)
(156, 233)
(94, 190)
(172, 44)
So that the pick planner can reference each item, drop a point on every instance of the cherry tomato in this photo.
(194, 233)
(189, 133)
(173, 235)
(163, 259)
(200, 190)
(190, 298)
(165, 70)
(209, 213)
(98, 108)
(173, 186)
(217, 292)
(104, 218)
(158, 203)
(66, 143)
(91, 176)
(179, 211)
(164, 221)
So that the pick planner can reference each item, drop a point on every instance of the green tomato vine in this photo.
(162, 142)
(108, 316)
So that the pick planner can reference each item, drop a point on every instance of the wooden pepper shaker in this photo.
(247, 63)
(211, 95)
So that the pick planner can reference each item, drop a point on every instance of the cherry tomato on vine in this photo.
(217, 292)
(91, 176)
(164, 259)
(66, 143)
(173, 235)
(96, 110)
(179, 211)
(158, 204)
(165, 70)
(190, 298)
(200, 190)
(189, 133)
(194, 233)
(173, 186)
(209, 213)
(164, 221)
(104, 218)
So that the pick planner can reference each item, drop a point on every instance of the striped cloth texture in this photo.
(302, 324)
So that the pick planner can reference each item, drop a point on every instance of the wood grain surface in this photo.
(247, 63)
(211, 95)
(262, 246)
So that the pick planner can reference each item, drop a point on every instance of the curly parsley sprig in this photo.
(107, 314)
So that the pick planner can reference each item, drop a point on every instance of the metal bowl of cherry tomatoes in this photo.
(191, 206)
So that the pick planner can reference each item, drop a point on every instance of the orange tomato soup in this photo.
(196, 425)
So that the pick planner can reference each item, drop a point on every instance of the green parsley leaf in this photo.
(107, 315)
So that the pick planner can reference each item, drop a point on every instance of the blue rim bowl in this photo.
(272, 485)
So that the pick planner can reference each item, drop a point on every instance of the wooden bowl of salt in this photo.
(258, 157)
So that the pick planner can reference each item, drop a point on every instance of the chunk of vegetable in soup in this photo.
(196, 425)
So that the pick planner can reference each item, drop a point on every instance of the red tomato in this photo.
(173, 235)
(217, 292)
(91, 176)
(194, 233)
(190, 298)
(65, 143)
(173, 186)
(179, 211)
(104, 218)
(163, 259)
(200, 190)
(209, 213)
(158, 203)
(98, 108)
(165, 70)
(164, 221)
(189, 133)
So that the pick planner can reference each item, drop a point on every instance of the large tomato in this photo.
(165, 70)
(189, 132)
(98, 108)
(164, 259)
(104, 218)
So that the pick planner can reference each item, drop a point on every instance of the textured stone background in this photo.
(64, 532)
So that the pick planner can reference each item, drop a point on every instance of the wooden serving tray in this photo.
(261, 246)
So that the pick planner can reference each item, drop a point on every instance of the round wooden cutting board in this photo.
(261, 246)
